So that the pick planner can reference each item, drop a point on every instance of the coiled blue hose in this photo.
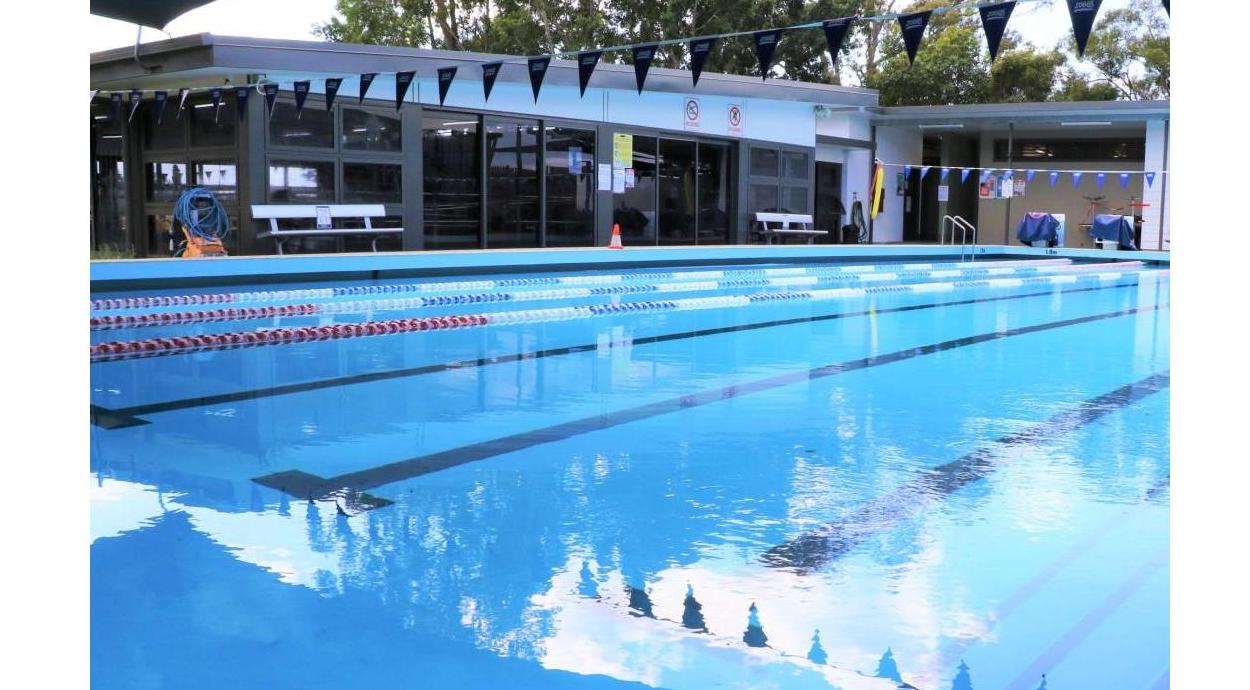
(207, 222)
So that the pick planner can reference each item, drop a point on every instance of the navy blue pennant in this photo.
(700, 50)
(136, 97)
(271, 97)
(446, 75)
(1083, 14)
(402, 81)
(332, 90)
(586, 63)
(994, 22)
(643, 55)
(115, 105)
(240, 100)
(538, 69)
(765, 45)
(1150, 179)
(913, 26)
(963, 175)
(215, 95)
(1167, 7)
(182, 101)
(160, 99)
(835, 35)
(924, 170)
(986, 175)
(365, 80)
(944, 173)
(490, 70)
(301, 95)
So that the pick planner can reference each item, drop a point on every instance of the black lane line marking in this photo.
(302, 484)
(113, 419)
(259, 393)
(810, 551)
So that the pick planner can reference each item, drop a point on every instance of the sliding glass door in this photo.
(678, 192)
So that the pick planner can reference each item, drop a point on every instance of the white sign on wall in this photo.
(736, 115)
(691, 116)
(944, 192)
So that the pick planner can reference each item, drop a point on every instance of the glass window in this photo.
(452, 180)
(373, 183)
(165, 181)
(365, 130)
(512, 192)
(210, 126)
(795, 165)
(715, 175)
(301, 181)
(166, 135)
(676, 191)
(570, 171)
(794, 199)
(764, 162)
(635, 208)
(313, 127)
(218, 177)
(763, 197)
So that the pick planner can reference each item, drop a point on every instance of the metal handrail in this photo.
(964, 226)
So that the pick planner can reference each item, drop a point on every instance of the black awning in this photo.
(154, 13)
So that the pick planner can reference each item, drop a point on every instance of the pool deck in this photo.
(138, 274)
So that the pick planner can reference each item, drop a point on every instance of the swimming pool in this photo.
(803, 475)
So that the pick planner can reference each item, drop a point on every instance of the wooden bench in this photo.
(323, 214)
(769, 226)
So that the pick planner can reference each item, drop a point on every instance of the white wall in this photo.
(1155, 216)
(902, 145)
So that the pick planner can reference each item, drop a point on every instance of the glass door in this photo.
(715, 182)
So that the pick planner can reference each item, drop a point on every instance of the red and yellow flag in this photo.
(877, 193)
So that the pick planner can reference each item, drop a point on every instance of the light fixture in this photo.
(949, 125)
(1085, 124)
(461, 122)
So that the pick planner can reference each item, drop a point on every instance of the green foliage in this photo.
(109, 251)
(1129, 51)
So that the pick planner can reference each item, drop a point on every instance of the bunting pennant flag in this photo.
(160, 98)
(835, 35)
(1054, 178)
(913, 26)
(271, 97)
(906, 172)
(963, 175)
(643, 55)
(332, 90)
(994, 22)
(215, 95)
(115, 105)
(1083, 13)
(1124, 180)
(136, 97)
(924, 170)
(538, 70)
(700, 50)
(182, 101)
(490, 70)
(240, 100)
(93, 94)
(1150, 179)
(1028, 175)
(1167, 7)
(586, 63)
(944, 173)
(365, 80)
(1100, 179)
(986, 175)
(765, 45)
(1076, 179)
(301, 95)
(402, 81)
(446, 75)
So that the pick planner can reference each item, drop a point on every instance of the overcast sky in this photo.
(1039, 24)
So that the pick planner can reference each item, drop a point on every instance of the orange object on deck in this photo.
(196, 248)
(616, 237)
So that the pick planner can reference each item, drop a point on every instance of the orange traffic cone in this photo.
(616, 237)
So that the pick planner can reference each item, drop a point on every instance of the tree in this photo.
(1129, 50)
(1023, 76)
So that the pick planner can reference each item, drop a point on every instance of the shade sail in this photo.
(154, 13)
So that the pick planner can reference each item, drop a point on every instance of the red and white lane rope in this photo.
(152, 347)
(540, 281)
(171, 318)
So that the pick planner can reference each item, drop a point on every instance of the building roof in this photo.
(989, 115)
(206, 59)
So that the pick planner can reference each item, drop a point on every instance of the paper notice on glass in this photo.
(629, 178)
(944, 193)
(618, 181)
(605, 177)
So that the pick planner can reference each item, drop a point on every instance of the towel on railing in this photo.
(1038, 227)
(1108, 226)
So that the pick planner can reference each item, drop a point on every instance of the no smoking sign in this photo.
(691, 116)
(735, 118)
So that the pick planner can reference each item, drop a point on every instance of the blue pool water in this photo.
(756, 478)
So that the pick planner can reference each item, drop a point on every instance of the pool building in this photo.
(518, 171)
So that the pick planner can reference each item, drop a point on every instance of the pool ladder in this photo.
(961, 223)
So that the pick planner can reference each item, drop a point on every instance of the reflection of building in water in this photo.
(754, 635)
(963, 680)
(817, 653)
(888, 668)
(692, 612)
